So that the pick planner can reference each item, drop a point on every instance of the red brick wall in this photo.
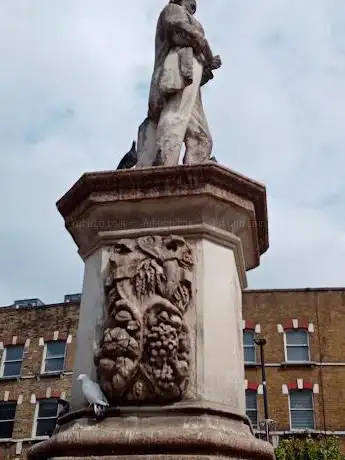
(325, 309)
(33, 324)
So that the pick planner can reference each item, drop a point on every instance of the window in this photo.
(301, 410)
(249, 347)
(47, 413)
(252, 407)
(297, 346)
(7, 416)
(54, 359)
(12, 361)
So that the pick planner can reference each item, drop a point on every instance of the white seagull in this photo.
(94, 395)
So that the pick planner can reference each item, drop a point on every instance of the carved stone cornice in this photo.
(164, 197)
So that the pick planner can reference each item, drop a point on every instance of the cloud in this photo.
(73, 89)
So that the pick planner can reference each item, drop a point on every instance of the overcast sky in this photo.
(73, 89)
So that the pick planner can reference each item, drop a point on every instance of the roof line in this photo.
(246, 291)
(38, 307)
(307, 289)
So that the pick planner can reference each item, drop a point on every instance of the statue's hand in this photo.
(216, 62)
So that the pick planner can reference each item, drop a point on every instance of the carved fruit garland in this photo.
(144, 353)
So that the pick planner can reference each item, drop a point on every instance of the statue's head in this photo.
(190, 5)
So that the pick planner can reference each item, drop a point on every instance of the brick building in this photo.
(36, 353)
(304, 355)
(304, 363)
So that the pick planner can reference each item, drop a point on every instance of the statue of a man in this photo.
(183, 63)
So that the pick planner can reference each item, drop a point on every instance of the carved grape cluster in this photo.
(162, 341)
(163, 350)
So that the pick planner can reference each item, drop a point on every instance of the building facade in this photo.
(304, 362)
(304, 359)
(36, 357)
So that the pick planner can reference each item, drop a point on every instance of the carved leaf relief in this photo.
(144, 353)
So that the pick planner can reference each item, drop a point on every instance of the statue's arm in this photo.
(182, 33)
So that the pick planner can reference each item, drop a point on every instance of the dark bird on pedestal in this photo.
(130, 159)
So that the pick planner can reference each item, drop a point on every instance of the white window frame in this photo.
(3, 362)
(313, 410)
(9, 420)
(249, 346)
(286, 346)
(34, 425)
(257, 408)
(44, 357)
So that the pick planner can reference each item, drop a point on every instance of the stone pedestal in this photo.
(151, 434)
(206, 226)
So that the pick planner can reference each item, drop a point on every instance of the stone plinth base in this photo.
(155, 457)
(222, 217)
(159, 436)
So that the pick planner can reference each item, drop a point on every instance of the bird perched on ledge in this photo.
(130, 159)
(94, 395)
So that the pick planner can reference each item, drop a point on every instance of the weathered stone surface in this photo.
(169, 436)
(156, 457)
(183, 63)
(144, 353)
(221, 218)
(205, 326)
(103, 207)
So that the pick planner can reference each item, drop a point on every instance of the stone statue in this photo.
(183, 63)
